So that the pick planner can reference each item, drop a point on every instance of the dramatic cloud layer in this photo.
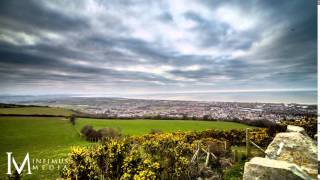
(129, 47)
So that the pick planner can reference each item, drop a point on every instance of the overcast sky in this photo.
(135, 47)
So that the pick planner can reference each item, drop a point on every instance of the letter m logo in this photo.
(19, 169)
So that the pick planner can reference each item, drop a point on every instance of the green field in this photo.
(53, 111)
(52, 137)
(139, 127)
(42, 137)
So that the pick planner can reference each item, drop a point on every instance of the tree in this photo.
(72, 120)
(206, 117)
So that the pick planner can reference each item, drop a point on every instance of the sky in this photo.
(124, 47)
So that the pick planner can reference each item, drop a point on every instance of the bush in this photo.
(235, 137)
(155, 131)
(158, 156)
(105, 133)
(308, 123)
(109, 133)
(86, 130)
(90, 133)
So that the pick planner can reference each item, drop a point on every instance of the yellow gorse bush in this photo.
(151, 156)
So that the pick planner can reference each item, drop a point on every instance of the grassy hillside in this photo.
(42, 137)
(53, 111)
(52, 137)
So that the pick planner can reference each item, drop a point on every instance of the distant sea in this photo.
(299, 97)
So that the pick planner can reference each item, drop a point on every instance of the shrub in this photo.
(308, 123)
(86, 129)
(81, 164)
(155, 131)
(218, 148)
(105, 133)
(90, 133)
(109, 133)
(158, 156)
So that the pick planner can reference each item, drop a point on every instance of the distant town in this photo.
(169, 109)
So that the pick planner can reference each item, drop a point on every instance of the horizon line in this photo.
(174, 92)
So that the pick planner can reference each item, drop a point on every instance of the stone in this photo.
(291, 128)
(268, 169)
(296, 148)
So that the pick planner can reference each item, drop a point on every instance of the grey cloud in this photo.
(30, 16)
(93, 46)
